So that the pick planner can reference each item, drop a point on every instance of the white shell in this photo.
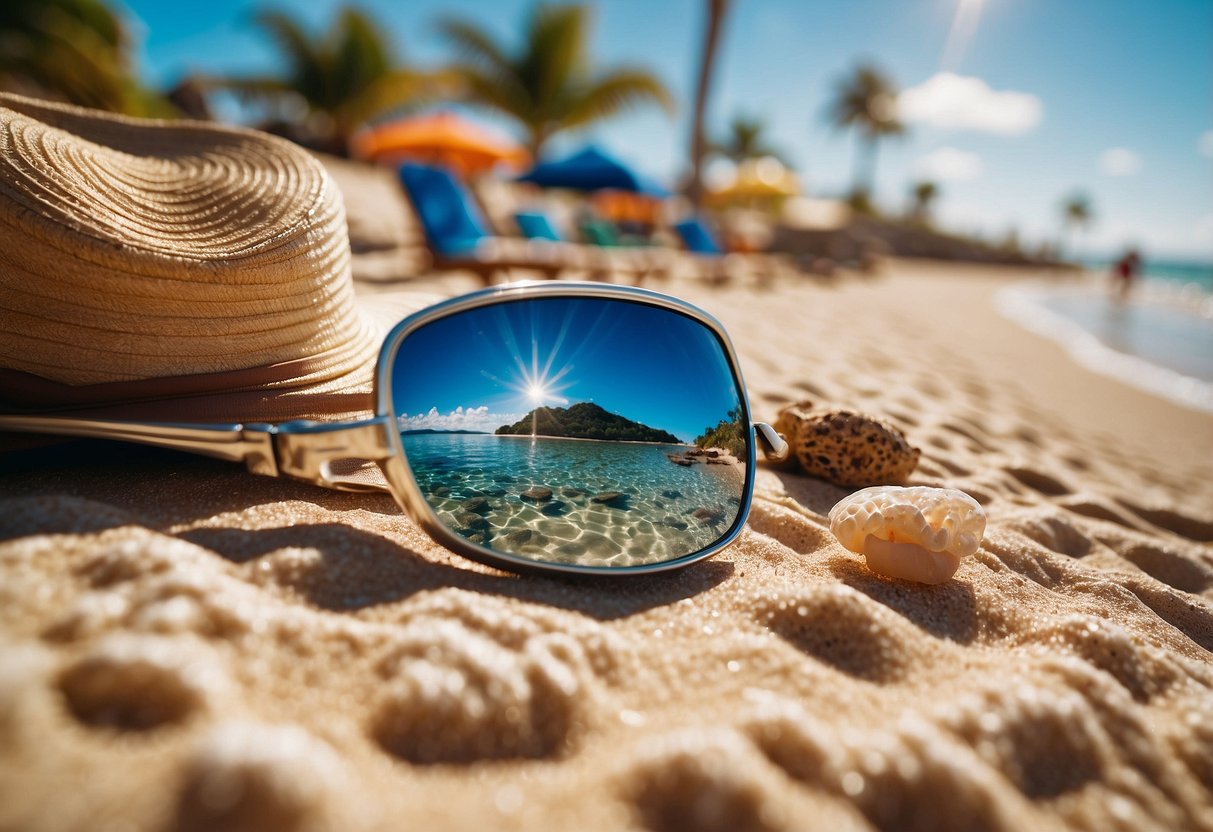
(920, 521)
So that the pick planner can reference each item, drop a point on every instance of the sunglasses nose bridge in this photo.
(774, 447)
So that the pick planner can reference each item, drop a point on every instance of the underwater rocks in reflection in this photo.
(592, 503)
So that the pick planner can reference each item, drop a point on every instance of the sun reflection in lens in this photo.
(539, 384)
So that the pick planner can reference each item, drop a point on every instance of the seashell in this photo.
(919, 533)
(846, 447)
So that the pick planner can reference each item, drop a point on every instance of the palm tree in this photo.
(547, 84)
(865, 100)
(745, 140)
(717, 10)
(75, 50)
(342, 77)
(1076, 215)
(923, 193)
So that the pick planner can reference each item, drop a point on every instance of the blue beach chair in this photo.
(457, 234)
(718, 264)
(696, 237)
(535, 225)
(703, 248)
(601, 260)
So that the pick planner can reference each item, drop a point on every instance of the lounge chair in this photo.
(696, 237)
(718, 264)
(603, 233)
(702, 246)
(459, 239)
(535, 225)
(604, 256)
(600, 232)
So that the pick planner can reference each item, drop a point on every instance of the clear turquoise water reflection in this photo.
(476, 483)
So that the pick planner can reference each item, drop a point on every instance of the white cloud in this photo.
(947, 164)
(1206, 143)
(957, 102)
(1119, 161)
(472, 418)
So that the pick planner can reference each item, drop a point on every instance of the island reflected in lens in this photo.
(574, 430)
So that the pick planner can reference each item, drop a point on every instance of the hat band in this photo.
(21, 391)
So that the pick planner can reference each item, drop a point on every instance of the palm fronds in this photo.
(546, 83)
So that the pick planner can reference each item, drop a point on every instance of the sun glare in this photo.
(543, 379)
(539, 384)
(964, 26)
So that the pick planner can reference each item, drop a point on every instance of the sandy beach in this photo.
(186, 646)
(951, 243)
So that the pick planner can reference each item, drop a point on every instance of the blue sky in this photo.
(481, 369)
(1112, 97)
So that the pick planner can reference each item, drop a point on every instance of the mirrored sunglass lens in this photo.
(574, 430)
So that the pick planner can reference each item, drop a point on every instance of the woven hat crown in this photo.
(141, 250)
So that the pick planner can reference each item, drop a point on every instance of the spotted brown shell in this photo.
(846, 447)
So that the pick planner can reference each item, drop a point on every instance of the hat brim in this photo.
(270, 393)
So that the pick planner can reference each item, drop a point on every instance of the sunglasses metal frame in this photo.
(312, 451)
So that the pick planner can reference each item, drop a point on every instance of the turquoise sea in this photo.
(1194, 274)
(662, 511)
(1198, 276)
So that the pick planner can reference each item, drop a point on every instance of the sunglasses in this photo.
(554, 427)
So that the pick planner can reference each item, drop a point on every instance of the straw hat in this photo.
(173, 270)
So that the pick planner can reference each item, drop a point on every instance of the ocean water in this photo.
(1158, 340)
(1163, 273)
(1199, 275)
(475, 484)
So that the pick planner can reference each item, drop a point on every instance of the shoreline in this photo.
(568, 438)
(1026, 304)
(1039, 383)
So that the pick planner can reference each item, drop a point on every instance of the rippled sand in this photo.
(184, 646)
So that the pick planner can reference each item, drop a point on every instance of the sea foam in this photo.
(1037, 306)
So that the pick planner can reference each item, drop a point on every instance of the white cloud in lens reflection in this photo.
(472, 418)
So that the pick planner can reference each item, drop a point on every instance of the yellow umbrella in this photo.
(442, 138)
(758, 180)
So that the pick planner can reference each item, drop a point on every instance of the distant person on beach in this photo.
(1124, 273)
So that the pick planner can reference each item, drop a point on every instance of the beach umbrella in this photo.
(442, 138)
(758, 180)
(591, 170)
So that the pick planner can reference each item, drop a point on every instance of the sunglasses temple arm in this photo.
(319, 452)
(300, 450)
(774, 447)
(250, 444)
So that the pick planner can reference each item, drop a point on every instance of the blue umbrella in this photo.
(591, 170)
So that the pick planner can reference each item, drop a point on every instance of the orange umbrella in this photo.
(442, 138)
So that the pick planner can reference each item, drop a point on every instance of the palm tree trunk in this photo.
(538, 138)
(716, 14)
(865, 166)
